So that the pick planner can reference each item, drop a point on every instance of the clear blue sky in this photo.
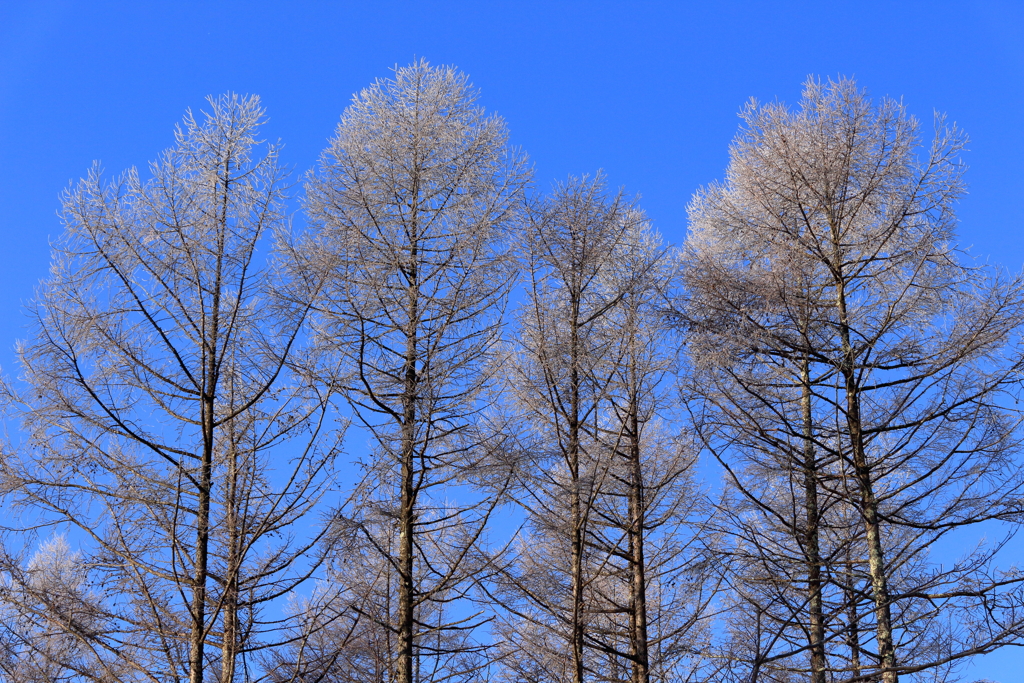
(647, 91)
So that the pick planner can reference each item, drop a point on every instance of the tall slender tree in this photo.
(650, 519)
(827, 258)
(602, 487)
(413, 203)
(563, 376)
(756, 408)
(169, 429)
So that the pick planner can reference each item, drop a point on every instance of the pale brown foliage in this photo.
(823, 274)
(158, 384)
(413, 202)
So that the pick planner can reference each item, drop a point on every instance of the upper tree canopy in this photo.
(412, 203)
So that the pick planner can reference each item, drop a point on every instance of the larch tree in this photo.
(561, 378)
(413, 203)
(170, 433)
(755, 408)
(649, 521)
(843, 335)
(601, 483)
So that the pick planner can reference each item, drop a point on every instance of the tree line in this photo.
(536, 377)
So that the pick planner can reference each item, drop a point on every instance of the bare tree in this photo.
(650, 519)
(169, 429)
(603, 491)
(413, 202)
(756, 410)
(823, 274)
(562, 378)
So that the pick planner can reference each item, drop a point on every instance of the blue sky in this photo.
(648, 91)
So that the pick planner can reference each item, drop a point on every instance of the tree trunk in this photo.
(638, 579)
(573, 456)
(211, 367)
(197, 635)
(816, 625)
(197, 638)
(868, 504)
(407, 513)
(229, 608)
(853, 628)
